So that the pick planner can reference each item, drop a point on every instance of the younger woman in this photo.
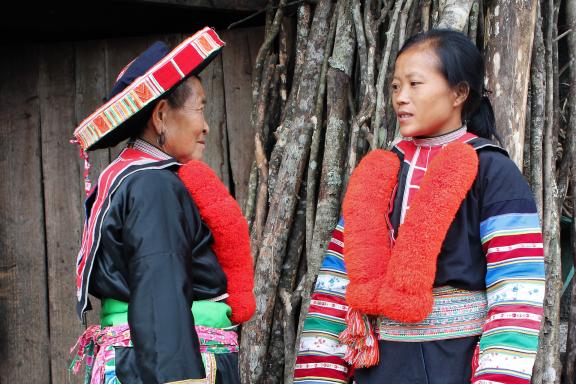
(435, 274)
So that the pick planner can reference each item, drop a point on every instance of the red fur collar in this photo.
(231, 245)
(397, 281)
(366, 233)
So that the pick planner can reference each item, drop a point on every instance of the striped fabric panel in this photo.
(320, 356)
(455, 313)
(512, 241)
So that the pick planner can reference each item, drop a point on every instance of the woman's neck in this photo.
(145, 146)
(442, 139)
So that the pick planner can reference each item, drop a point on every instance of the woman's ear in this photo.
(158, 117)
(461, 92)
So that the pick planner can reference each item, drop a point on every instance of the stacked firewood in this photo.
(321, 101)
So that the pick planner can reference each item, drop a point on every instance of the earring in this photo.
(161, 139)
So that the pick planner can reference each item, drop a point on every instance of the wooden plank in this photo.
(120, 52)
(216, 155)
(62, 169)
(91, 88)
(24, 344)
(223, 5)
(238, 59)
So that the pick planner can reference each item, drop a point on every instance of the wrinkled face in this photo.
(186, 128)
(424, 102)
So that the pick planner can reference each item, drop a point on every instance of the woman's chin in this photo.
(198, 157)
(408, 131)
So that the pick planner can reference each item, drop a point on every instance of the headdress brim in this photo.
(115, 120)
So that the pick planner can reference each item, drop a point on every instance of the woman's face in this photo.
(185, 127)
(424, 102)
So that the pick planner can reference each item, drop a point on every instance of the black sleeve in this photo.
(157, 239)
(501, 180)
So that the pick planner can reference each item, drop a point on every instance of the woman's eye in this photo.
(414, 83)
(394, 87)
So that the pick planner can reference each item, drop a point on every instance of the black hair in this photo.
(461, 63)
(178, 95)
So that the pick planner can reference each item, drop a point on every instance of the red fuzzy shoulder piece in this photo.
(366, 233)
(223, 216)
(397, 282)
(406, 294)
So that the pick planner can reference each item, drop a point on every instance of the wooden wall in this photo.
(45, 91)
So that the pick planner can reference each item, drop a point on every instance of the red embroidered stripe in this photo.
(516, 320)
(506, 241)
(325, 367)
(516, 308)
(326, 308)
(500, 378)
(330, 298)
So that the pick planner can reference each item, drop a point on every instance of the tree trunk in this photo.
(338, 80)
(547, 366)
(570, 364)
(537, 74)
(454, 14)
(256, 333)
(508, 52)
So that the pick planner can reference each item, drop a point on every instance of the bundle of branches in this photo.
(321, 100)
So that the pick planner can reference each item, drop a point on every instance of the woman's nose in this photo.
(402, 96)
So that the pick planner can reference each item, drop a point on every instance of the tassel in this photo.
(86, 348)
(360, 340)
(475, 360)
(87, 166)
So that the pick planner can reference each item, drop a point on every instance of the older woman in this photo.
(165, 247)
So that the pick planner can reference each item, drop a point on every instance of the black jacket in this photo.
(155, 254)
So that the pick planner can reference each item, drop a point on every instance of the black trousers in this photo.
(432, 362)
(227, 368)
(227, 371)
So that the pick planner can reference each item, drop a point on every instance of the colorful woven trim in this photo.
(214, 340)
(178, 64)
(97, 346)
(455, 313)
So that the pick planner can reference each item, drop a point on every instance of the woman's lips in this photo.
(404, 117)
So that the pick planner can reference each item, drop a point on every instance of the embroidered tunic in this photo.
(494, 245)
